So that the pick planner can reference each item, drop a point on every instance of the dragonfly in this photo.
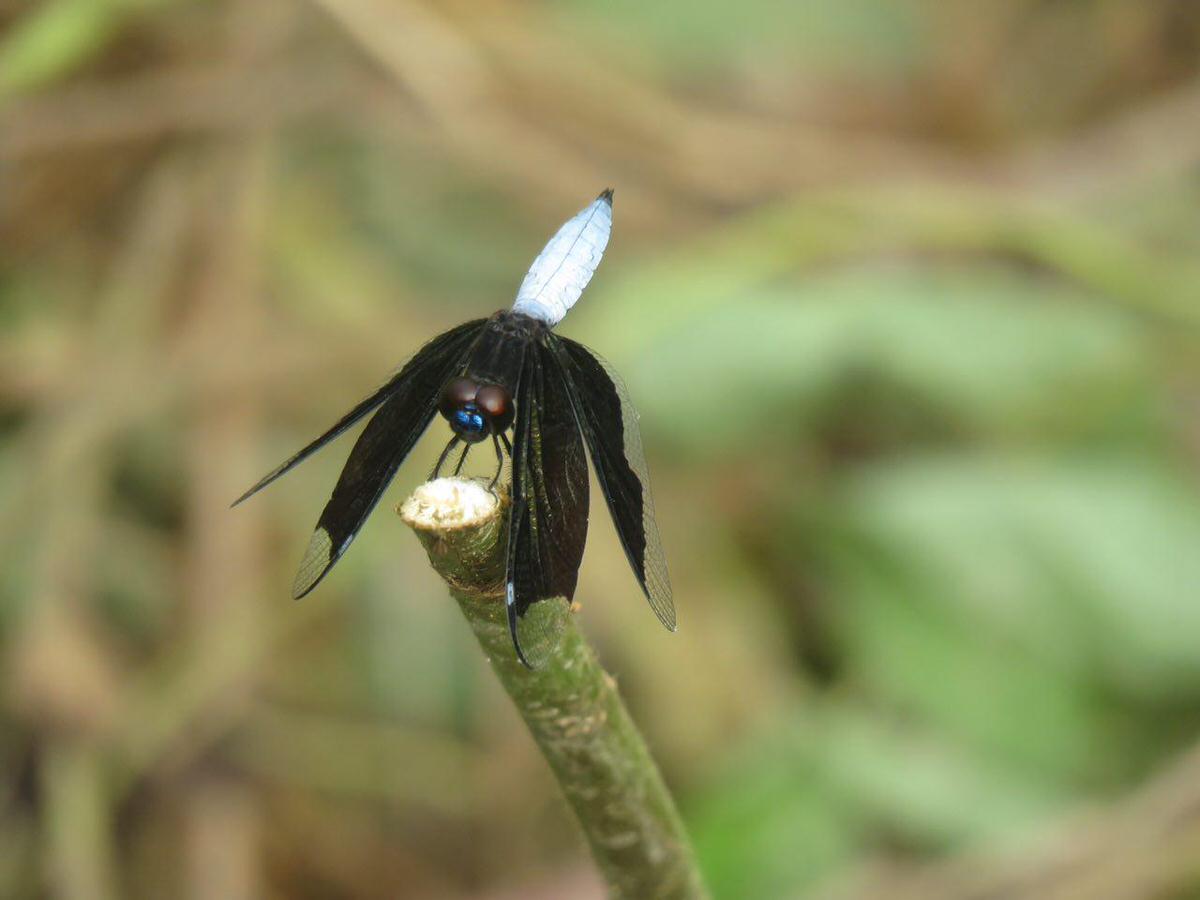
(510, 373)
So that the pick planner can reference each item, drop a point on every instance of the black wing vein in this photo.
(354, 415)
(610, 425)
(548, 527)
(381, 448)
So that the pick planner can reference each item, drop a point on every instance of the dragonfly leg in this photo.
(462, 459)
(499, 458)
(441, 459)
(499, 463)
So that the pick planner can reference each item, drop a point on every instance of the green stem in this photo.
(577, 719)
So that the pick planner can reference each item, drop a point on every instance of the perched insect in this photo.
(485, 377)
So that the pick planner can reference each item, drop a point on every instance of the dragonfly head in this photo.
(475, 411)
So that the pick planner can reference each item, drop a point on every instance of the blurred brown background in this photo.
(907, 293)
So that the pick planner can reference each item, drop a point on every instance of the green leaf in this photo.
(1089, 564)
(769, 825)
(979, 687)
(992, 348)
(922, 784)
(816, 34)
(58, 37)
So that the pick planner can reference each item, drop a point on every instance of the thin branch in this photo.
(571, 706)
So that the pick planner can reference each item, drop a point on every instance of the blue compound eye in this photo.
(469, 424)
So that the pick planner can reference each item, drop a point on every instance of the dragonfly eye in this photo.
(469, 424)
(497, 403)
(457, 393)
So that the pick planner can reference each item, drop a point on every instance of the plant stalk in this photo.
(571, 705)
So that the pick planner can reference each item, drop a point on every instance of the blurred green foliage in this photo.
(908, 296)
(690, 38)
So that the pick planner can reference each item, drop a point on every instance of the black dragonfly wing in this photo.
(610, 424)
(437, 345)
(548, 524)
(381, 448)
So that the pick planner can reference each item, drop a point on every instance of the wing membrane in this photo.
(548, 528)
(380, 449)
(349, 419)
(610, 424)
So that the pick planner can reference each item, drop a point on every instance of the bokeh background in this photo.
(908, 295)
